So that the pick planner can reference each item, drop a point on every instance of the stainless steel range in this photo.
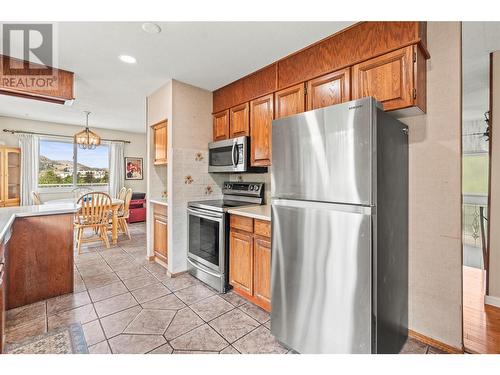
(208, 231)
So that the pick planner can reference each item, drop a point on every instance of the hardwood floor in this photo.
(481, 322)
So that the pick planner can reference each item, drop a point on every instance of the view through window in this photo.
(62, 164)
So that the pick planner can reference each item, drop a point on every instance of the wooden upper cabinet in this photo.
(221, 125)
(261, 118)
(388, 78)
(262, 272)
(289, 101)
(239, 120)
(241, 261)
(330, 89)
(160, 143)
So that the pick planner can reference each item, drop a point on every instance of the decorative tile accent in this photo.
(208, 190)
(201, 338)
(116, 323)
(198, 156)
(188, 180)
(153, 322)
(184, 321)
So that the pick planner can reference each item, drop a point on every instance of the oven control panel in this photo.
(255, 189)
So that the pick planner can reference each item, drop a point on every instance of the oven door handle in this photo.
(204, 214)
(204, 269)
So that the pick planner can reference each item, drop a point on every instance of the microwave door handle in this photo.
(232, 154)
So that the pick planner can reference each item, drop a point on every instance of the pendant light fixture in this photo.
(87, 139)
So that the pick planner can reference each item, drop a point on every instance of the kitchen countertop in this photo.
(8, 214)
(159, 200)
(262, 212)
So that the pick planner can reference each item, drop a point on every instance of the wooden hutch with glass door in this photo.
(10, 176)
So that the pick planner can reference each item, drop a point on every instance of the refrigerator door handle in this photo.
(350, 208)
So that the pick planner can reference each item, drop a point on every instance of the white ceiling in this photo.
(478, 40)
(204, 54)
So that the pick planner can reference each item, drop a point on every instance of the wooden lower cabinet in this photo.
(262, 272)
(241, 261)
(160, 233)
(3, 288)
(250, 261)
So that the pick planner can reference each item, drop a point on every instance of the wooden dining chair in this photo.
(93, 214)
(121, 194)
(124, 212)
(36, 198)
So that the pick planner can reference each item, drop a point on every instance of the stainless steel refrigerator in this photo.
(339, 279)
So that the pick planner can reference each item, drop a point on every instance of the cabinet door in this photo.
(289, 101)
(221, 125)
(2, 305)
(241, 261)
(160, 244)
(261, 119)
(12, 184)
(239, 118)
(388, 78)
(262, 272)
(160, 143)
(330, 89)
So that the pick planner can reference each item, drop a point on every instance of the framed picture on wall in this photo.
(133, 169)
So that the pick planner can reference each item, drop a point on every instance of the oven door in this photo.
(229, 155)
(206, 240)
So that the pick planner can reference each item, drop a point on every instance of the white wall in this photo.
(136, 147)
(191, 133)
(435, 240)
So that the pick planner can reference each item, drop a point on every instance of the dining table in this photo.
(115, 207)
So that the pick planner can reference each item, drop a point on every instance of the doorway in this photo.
(481, 324)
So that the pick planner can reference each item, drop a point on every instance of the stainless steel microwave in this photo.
(231, 155)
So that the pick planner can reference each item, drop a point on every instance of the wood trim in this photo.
(435, 343)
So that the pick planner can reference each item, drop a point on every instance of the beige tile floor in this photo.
(127, 304)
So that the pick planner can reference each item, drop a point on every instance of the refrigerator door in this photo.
(325, 154)
(321, 276)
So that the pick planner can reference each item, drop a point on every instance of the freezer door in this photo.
(321, 277)
(325, 154)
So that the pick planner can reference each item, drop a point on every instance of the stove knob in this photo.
(256, 187)
(251, 187)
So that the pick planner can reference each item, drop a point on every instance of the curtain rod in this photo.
(57, 135)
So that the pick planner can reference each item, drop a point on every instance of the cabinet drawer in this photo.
(262, 228)
(242, 223)
(160, 209)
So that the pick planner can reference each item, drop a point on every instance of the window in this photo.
(62, 164)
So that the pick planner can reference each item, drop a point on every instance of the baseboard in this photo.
(492, 301)
(435, 343)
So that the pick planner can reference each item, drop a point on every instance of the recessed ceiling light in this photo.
(127, 59)
(151, 28)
